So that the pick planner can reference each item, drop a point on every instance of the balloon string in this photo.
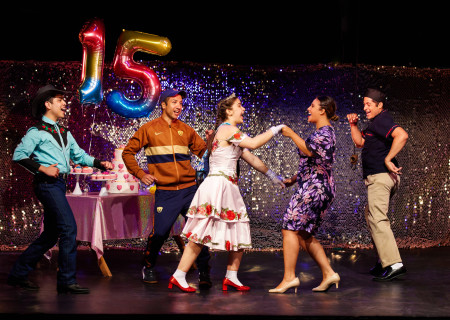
(92, 128)
(112, 124)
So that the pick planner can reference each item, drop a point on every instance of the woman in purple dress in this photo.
(316, 191)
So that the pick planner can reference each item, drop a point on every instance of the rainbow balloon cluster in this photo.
(92, 38)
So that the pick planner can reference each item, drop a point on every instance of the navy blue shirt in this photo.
(377, 144)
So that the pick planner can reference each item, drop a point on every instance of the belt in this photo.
(63, 175)
(233, 179)
(43, 178)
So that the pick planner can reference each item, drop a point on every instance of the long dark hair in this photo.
(222, 107)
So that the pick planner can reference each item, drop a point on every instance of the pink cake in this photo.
(123, 182)
(87, 170)
(103, 175)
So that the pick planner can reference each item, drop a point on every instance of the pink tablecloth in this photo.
(115, 216)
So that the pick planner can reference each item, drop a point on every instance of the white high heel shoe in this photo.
(292, 284)
(334, 279)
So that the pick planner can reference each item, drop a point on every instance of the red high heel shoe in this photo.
(174, 281)
(227, 282)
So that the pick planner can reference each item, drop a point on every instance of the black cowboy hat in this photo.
(42, 95)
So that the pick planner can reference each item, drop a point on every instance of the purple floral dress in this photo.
(316, 189)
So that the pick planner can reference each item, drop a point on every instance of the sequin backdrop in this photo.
(418, 100)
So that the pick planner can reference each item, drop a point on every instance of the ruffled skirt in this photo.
(218, 217)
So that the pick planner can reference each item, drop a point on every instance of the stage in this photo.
(423, 292)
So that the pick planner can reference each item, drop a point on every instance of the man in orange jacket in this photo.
(167, 143)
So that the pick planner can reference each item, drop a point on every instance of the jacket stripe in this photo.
(162, 150)
(164, 158)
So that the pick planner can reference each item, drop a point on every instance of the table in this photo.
(115, 216)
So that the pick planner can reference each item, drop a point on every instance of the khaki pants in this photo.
(380, 188)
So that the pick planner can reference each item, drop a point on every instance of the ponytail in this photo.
(211, 137)
(222, 106)
(330, 107)
(335, 117)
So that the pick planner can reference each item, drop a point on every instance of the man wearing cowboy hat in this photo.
(46, 151)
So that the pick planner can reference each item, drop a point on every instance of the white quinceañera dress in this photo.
(218, 217)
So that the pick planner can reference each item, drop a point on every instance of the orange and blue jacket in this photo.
(167, 149)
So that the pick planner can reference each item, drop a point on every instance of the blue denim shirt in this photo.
(40, 146)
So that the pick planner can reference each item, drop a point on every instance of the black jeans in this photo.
(59, 223)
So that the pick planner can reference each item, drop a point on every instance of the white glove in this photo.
(276, 180)
(277, 129)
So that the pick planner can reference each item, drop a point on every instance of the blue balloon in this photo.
(127, 108)
(91, 91)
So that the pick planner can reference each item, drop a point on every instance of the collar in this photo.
(47, 120)
(382, 111)
(173, 123)
(49, 125)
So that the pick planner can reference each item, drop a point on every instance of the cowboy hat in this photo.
(42, 95)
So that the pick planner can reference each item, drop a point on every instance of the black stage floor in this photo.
(422, 293)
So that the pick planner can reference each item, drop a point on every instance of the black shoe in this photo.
(72, 288)
(149, 275)
(377, 270)
(204, 280)
(22, 283)
(390, 274)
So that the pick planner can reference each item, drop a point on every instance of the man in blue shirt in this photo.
(46, 151)
(381, 141)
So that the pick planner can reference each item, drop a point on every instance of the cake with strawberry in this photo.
(124, 182)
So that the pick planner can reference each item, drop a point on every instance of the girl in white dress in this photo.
(218, 217)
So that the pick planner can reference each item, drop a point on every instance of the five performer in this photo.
(216, 215)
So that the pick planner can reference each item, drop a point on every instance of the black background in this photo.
(400, 33)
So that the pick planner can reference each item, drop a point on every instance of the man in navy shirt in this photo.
(381, 141)
(46, 151)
